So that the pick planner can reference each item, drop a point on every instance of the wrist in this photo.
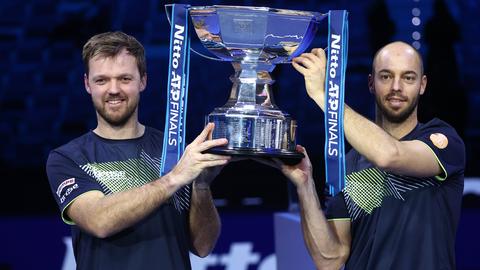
(201, 185)
(306, 187)
(169, 183)
(320, 100)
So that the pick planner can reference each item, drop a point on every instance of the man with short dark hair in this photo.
(124, 215)
(401, 203)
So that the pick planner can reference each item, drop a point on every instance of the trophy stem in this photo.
(251, 87)
(250, 120)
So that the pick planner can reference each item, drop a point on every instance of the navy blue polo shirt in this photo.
(90, 162)
(399, 221)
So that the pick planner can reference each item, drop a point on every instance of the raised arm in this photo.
(413, 158)
(328, 242)
(104, 216)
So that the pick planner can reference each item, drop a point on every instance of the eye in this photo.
(409, 78)
(100, 81)
(126, 79)
(385, 76)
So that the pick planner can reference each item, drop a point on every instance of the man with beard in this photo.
(124, 215)
(401, 204)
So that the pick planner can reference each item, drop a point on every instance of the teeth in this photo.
(114, 101)
(395, 99)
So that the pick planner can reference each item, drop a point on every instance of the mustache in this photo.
(396, 96)
(112, 97)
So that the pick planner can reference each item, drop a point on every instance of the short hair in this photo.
(420, 60)
(110, 44)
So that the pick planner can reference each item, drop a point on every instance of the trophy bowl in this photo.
(254, 40)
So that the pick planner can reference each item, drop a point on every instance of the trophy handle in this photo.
(168, 11)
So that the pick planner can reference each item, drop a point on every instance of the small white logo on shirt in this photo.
(109, 174)
(67, 192)
(64, 184)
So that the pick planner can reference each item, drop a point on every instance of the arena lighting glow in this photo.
(416, 21)
(416, 35)
(252, 201)
(416, 45)
(416, 12)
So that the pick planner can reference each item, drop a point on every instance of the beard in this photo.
(117, 118)
(397, 116)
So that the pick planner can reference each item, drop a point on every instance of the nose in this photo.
(396, 84)
(114, 87)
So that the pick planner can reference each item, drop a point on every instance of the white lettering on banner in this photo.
(239, 257)
(333, 97)
(177, 41)
(175, 84)
(269, 263)
(334, 50)
(203, 263)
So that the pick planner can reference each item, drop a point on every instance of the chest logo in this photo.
(439, 140)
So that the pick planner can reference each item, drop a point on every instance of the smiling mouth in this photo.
(395, 100)
(395, 103)
(115, 104)
(116, 101)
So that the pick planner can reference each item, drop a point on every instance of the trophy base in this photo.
(287, 157)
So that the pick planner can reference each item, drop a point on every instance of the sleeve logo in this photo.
(439, 140)
(64, 184)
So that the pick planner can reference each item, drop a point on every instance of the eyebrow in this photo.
(385, 71)
(408, 72)
(118, 76)
(98, 77)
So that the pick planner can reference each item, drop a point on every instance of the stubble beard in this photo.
(115, 119)
(397, 117)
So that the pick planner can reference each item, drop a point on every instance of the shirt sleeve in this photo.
(447, 146)
(336, 208)
(67, 181)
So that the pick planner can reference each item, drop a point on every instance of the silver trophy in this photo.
(254, 39)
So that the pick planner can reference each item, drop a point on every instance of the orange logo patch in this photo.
(439, 140)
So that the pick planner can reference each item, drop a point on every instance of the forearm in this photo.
(322, 241)
(409, 157)
(369, 139)
(104, 216)
(204, 221)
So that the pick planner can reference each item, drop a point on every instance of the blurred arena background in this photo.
(43, 105)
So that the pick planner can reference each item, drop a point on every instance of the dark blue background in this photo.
(43, 103)
(38, 242)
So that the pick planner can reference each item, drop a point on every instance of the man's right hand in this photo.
(194, 161)
(300, 174)
(312, 66)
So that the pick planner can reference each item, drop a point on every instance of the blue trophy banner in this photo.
(334, 100)
(178, 71)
